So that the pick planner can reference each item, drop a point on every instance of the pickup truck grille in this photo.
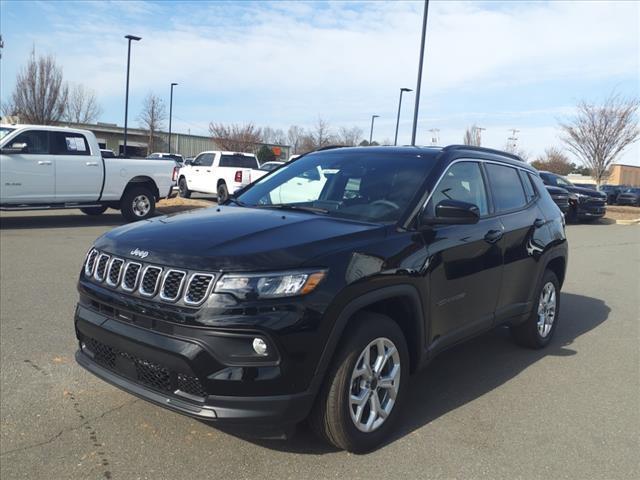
(149, 281)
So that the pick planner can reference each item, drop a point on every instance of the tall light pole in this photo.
(126, 97)
(417, 106)
(373, 117)
(170, 112)
(402, 90)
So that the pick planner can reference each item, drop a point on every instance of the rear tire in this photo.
(93, 210)
(223, 193)
(537, 331)
(183, 189)
(138, 203)
(355, 409)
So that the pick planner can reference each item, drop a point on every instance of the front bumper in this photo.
(171, 372)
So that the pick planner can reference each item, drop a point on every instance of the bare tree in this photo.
(472, 136)
(294, 135)
(554, 160)
(152, 118)
(235, 137)
(597, 134)
(349, 136)
(82, 106)
(40, 94)
(321, 134)
(274, 136)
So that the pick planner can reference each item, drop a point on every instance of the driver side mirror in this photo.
(188, 162)
(15, 148)
(452, 212)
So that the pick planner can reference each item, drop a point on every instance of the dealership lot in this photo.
(485, 409)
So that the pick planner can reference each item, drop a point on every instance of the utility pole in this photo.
(479, 134)
(126, 95)
(373, 119)
(513, 139)
(435, 136)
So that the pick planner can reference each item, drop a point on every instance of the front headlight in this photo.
(269, 285)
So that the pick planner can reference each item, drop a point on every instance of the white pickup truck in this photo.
(45, 167)
(218, 173)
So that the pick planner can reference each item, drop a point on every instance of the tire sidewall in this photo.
(381, 327)
(183, 189)
(541, 341)
(223, 192)
(127, 200)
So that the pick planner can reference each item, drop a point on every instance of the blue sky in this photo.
(499, 65)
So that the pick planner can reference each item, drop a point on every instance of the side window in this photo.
(463, 181)
(37, 141)
(66, 143)
(198, 160)
(506, 187)
(206, 160)
(529, 189)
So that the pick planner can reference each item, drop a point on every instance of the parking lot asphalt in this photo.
(484, 409)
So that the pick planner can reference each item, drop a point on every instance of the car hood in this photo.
(556, 190)
(585, 191)
(236, 238)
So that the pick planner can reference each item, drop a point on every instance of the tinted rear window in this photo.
(506, 187)
(238, 161)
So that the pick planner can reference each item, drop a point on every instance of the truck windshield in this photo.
(4, 131)
(355, 184)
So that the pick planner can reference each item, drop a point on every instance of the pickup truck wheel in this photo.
(360, 401)
(182, 187)
(93, 210)
(537, 330)
(223, 193)
(137, 203)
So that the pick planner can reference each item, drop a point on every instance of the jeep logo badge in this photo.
(140, 253)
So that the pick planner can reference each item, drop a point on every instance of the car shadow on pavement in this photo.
(468, 371)
(111, 218)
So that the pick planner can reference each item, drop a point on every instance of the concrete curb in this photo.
(635, 221)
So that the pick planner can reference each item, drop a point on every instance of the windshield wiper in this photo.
(287, 206)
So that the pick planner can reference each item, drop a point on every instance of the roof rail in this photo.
(328, 147)
(483, 149)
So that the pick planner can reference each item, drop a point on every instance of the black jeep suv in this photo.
(317, 291)
(584, 203)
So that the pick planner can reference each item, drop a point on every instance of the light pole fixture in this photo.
(373, 118)
(170, 112)
(126, 96)
(420, 62)
(402, 90)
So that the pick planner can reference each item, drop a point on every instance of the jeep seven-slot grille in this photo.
(197, 288)
(149, 284)
(113, 278)
(137, 278)
(130, 279)
(149, 373)
(172, 285)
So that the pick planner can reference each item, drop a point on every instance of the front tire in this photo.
(361, 399)
(138, 203)
(538, 329)
(93, 210)
(223, 193)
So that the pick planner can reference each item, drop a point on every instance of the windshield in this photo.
(632, 190)
(4, 131)
(355, 184)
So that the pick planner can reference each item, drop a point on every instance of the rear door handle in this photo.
(539, 223)
(91, 164)
(44, 162)
(492, 236)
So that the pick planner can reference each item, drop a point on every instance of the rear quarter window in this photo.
(506, 187)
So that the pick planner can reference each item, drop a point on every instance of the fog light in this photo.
(260, 346)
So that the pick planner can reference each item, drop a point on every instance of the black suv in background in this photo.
(584, 203)
(299, 299)
(629, 196)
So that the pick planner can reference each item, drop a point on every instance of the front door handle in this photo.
(91, 164)
(539, 223)
(44, 162)
(493, 236)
